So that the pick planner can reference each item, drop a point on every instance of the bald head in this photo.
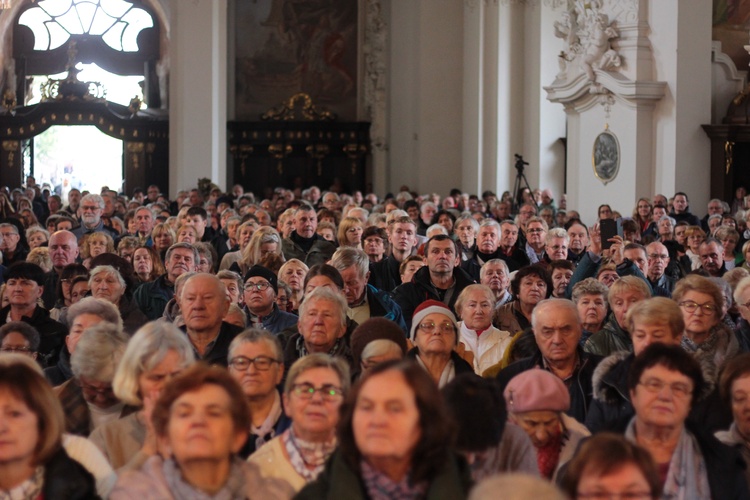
(204, 303)
(63, 249)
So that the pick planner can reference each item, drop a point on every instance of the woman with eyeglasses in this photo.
(742, 299)
(313, 393)
(434, 333)
(706, 337)
(664, 383)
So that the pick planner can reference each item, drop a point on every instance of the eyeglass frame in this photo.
(254, 362)
(307, 391)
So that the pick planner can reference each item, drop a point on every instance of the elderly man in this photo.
(658, 260)
(152, 297)
(144, 223)
(364, 301)
(714, 207)
(536, 236)
(557, 331)
(24, 286)
(261, 288)
(578, 236)
(495, 274)
(322, 324)
(204, 303)
(304, 244)
(63, 250)
(441, 279)
(402, 236)
(712, 257)
(92, 208)
(256, 362)
(13, 250)
(514, 256)
(426, 212)
(74, 201)
(487, 248)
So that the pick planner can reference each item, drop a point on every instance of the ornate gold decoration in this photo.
(9, 100)
(242, 152)
(354, 152)
(279, 151)
(298, 107)
(10, 147)
(318, 152)
(728, 155)
(135, 106)
(71, 88)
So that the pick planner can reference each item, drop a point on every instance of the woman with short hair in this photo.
(590, 297)
(163, 237)
(156, 353)
(293, 273)
(482, 344)
(264, 240)
(106, 282)
(64, 287)
(529, 286)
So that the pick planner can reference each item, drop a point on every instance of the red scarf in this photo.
(548, 455)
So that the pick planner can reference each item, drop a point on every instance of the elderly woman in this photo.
(434, 332)
(394, 440)
(147, 264)
(663, 382)
(590, 298)
(735, 391)
(613, 337)
(87, 399)
(19, 337)
(200, 420)
(88, 312)
(374, 341)
(157, 352)
(264, 241)
(480, 343)
(466, 229)
(530, 285)
(537, 401)
(64, 287)
(313, 392)
(36, 237)
(608, 466)
(709, 340)
(106, 283)
(186, 234)
(293, 273)
(256, 363)
(33, 461)
(163, 237)
(350, 232)
(728, 238)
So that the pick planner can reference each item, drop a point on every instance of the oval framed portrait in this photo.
(605, 156)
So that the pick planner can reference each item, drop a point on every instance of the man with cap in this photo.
(24, 286)
(557, 332)
(537, 401)
(370, 331)
(261, 287)
(434, 332)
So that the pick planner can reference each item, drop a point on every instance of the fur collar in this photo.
(604, 379)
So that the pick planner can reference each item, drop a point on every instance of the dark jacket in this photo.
(339, 480)
(742, 332)
(217, 354)
(610, 339)
(691, 219)
(152, 297)
(52, 333)
(132, 317)
(49, 295)
(251, 445)
(385, 275)
(320, 252)
(460, 365)
(580, 387)
(277, 321)
(341, 350)
(76, 409)
(383, 306)
(61, 371)
(66, 479)
(410, 295)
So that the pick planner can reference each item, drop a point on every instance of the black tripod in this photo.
(521, 182)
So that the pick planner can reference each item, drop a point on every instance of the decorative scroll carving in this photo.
(298, 107)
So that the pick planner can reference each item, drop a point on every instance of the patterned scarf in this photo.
(234, 488)
(307, 458)
(381, 487)
(31, 488)
(548, 455)
(302, 350)
(265, 432)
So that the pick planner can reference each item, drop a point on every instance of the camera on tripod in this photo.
(520, 163)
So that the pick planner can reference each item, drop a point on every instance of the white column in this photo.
(198, 93)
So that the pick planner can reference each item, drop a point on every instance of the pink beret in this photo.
(536, 390)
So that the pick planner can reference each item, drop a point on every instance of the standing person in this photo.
(681, 210)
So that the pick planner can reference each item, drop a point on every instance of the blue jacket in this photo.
(383, 306)
(277, 321)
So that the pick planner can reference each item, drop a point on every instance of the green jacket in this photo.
(609, 340)
(338, 481)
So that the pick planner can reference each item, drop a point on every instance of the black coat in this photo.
(580, 388)
(384, 275)
(52, 333)
(66, 479)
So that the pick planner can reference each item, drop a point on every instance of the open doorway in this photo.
(75, 156)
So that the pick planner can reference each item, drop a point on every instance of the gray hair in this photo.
(8, 225)
(564, 303)
(236, 309)
(516, 486)
(98, 352)
(671, 219)
(540, 221)
(188, 246)
(107, 270)
(437, 227)
(98, 307)
(589, 286)
(318, 360)
(474, 223)
(345, 257)
(556, 232)
(382, 347)
(256, 336)
(32, 231)
(489, 223)
(93, 198)
(502, 263)
(148, 347)
(325, 293)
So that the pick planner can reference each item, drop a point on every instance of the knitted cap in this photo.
(375, 329)
(430, 307)
(266, 273)
(536, 390)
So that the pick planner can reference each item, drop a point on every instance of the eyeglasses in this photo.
(328, 392)
(536, 230)
(430, 326)
(678, 389)
(656, 256)
(20, 350)
(262, 363)
(692, 307)
(91, 208)
(605, 495)
(261, 287)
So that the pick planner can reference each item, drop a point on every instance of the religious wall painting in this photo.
(605, 156)
(286, 47)
(731, 26)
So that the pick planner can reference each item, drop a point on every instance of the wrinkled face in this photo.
(622, 302)
(508, 235)
(662, 397)
(305, 223)
(560, 281)
(97, 393)
(9, 239)
(201, 427)
(106, 286)
(557, 249)
(321, 325)
(646, 333)
(428, 212)
(532, 289)
(680, 203)
(535, 234)
(740, 398)
(579, 239)
(592, 309)
(74, 197)
(294, 276)
(234, 292)
(203, 303)
(435, 335)
(488, 239)
(354, 235)
(23, 292)
(317, 413)
(354, 284)
(658, 258)
(465, 232)
(386, 419)
(91, 213)
(256, 383)
(744, 304)
(712, 257)
(181, 260)
(626, 481)
(705, 313)
(403, 237)
(441, 257)
(540, 426)
(557, 332)
(714, 207)
(19, 430)
(495, 277)
(144, 221)
(245, 234)
(713, 225)
(476, 312)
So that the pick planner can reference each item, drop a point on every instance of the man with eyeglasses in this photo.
(92, 208)
(10, 244)
(256, 363)
(536, 235)
(557, 331)
(261, 287)
(204, 303)
(658, 260)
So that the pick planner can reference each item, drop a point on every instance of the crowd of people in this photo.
(325, 345)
